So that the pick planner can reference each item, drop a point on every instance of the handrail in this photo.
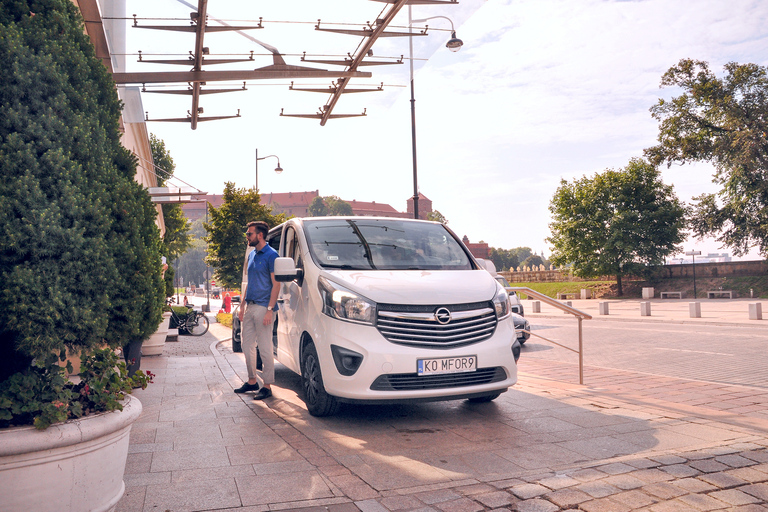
(580, 317)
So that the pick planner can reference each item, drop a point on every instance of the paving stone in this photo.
(460, 505)
(750, 475)
(668, 459)
(664, 490)
(437, 496)
(567, 498)
(651, 476)
(604, 505)
(643, 463)
(734, 497)
(598, 489)
(722, 480)
(735, 461)
(401, 502)
(708, 465)
(694, 485)
(536, 505)
(702, 502)
(680, 470)
(495, 499)
(635, 498)
(756, 455)
(672, 506)
(624, 482)
(558, 482)
(616, 468)
(528, 491)
(761, 467)
(749, 508)
(587, 475)
(759, 491)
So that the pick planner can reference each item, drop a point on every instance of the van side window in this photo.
(273, 239)
(292, 249)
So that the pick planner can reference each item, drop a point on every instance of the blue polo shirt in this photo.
(261, 266)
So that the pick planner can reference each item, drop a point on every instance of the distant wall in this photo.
(728, 269)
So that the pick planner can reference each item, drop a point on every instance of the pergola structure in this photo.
(197, 77)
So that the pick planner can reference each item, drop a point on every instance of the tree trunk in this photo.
(620, 291)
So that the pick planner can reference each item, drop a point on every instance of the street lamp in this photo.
(693, 254)
(453, 44)
(278, 169)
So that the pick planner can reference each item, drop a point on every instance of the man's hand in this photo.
(240, 314)
(267, 317)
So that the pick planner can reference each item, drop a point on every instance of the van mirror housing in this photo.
(285, 270)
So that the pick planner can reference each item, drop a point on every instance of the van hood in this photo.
(418, 286)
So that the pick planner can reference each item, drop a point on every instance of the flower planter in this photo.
(75, 466)
(155, 344)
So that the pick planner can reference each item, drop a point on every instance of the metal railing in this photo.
(580, 316)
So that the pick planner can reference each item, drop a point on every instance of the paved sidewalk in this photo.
(623, 442)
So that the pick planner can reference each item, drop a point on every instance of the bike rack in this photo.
(580, 317)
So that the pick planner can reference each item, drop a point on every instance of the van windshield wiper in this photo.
(364, 242)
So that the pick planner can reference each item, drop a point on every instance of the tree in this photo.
(616, 223)
(723, 122)
(436, 216)
(226, 228)
(80, 262)
(176, 239)
(317, 207)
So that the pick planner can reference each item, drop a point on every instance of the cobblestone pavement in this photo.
(624, 442)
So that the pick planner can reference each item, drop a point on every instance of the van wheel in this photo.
(483, 399)
(319, 403)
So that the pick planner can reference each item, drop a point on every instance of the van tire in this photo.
(483, 399)
(319, 403)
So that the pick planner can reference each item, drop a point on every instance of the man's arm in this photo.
(272, 299)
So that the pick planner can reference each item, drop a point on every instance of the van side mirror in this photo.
(286, 271)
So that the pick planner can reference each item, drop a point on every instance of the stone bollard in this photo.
(536, 306)
(694, 309)
(602, 308)
(586, 293)
(645, 309)
(568, 303)
(647, 293)
(756, 311)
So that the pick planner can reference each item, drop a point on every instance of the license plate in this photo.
(439, 365)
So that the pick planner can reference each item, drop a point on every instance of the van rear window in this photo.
(384, 244)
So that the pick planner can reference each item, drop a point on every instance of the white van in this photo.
(379, 310)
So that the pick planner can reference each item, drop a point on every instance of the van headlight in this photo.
(344, 304)
(501, 303)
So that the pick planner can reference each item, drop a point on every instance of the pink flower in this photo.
(58, 404)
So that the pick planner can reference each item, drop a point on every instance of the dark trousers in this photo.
(132, 355)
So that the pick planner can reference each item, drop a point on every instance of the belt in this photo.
(248, 301)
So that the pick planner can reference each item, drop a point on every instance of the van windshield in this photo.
(384, 244)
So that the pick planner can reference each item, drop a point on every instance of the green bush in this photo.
(80, 262)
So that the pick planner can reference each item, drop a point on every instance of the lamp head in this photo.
(278, 169)
(454, 43)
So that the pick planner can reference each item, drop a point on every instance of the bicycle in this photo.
(194, 323)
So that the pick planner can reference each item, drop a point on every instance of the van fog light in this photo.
(347, 361)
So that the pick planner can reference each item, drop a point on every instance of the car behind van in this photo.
(382, 310)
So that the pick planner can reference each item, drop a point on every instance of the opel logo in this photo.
(443, 316)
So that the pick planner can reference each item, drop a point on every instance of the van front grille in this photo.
(437, 327)
(416, 382)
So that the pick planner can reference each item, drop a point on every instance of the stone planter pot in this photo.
(155, 344)
(74, 466)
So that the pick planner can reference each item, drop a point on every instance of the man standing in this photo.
(258, 312)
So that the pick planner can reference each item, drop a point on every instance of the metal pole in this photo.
(581, 353)
(207, 269)
(694, 275)
(257, 169)
(413, 126)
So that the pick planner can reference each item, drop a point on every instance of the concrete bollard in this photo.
(647, 293)
(645, 309)
(602, 308)
(568, 303)
(756, 311)
(536, 306)
(694, 309)
(586, 293)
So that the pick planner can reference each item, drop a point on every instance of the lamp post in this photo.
(693, 254)
(278, 169)
(453, 44)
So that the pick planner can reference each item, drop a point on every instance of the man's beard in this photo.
(253, 243)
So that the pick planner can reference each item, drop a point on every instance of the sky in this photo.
(541, 91)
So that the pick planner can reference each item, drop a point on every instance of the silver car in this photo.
(514, 300)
